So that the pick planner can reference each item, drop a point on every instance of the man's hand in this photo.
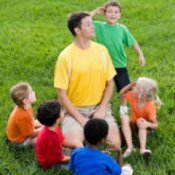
(100, 113)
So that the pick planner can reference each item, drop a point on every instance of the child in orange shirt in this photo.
(143, 101)
(22, 129)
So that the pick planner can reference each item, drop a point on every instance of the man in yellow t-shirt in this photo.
(84, 81)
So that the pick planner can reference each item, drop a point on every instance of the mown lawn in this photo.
(32, 34)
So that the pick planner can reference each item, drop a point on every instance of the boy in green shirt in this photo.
(114, 36)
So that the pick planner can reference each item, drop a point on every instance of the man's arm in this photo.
(140, 54)
(65, 101)
(100, 113)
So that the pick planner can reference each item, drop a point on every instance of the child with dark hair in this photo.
(50, 140)
(90, 160)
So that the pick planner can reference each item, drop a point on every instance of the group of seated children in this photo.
(45, 134)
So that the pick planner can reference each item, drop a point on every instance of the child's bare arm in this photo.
(99, 10)
(142, 123)
(118, 149)
(123, 92)
(66, 159)
(36, 132)
(140, 54)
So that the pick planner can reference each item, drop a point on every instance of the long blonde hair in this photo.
(148, 88)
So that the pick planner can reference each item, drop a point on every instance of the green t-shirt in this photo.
(114, 37)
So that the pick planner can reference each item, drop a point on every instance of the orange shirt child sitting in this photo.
(22, 129)
(143, 101)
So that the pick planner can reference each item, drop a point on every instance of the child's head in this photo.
(22, 94)
(147, 88)
(74, 21)
(95, 130)
(112, 11)
(49, 112)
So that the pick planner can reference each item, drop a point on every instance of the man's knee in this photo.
(114, 136)
(76, 137)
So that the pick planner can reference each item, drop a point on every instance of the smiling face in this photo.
(112, 14)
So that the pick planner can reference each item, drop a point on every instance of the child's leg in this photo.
(33, 141)
(142, 134)
(122, 78)
(126, 129)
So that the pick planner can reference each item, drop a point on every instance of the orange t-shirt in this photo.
(148, 111)
(20, 125)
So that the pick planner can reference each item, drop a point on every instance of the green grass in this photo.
(33, 33)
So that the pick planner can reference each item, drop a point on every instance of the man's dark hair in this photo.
(74, 20)
(95, 130)
(48, 112)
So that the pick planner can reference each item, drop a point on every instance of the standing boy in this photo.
(22, 130)
(84, 81)
(115, 36)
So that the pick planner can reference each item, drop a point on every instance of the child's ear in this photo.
(25, 101)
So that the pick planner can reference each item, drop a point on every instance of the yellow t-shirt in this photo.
(83, 73)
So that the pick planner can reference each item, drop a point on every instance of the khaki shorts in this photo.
(70, 124)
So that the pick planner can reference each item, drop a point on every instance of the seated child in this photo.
(90, 160)
(143, 100)
(50, 140)
(22, 130)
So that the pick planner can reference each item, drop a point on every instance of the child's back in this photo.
(90, 160)
(49, 147)
(21, 125)
(50, 140)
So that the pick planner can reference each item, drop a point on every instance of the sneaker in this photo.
(127, 170)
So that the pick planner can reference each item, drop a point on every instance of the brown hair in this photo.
(74, 20)
(19, 92)
(112, 3)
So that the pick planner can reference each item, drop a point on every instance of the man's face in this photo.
(87, 28)
(112, 14)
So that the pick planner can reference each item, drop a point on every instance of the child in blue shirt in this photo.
(90, 160)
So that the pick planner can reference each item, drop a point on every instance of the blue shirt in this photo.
(87, 161)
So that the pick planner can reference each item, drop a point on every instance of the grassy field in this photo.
(32, 34)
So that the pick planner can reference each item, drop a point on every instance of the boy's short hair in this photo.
(19, 92)
(74, 20)
(112, 3)
(48, 112)
(95, 130)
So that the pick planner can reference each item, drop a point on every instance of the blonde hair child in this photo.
(143, 101)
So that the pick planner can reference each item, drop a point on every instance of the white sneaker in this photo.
(127, 170)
